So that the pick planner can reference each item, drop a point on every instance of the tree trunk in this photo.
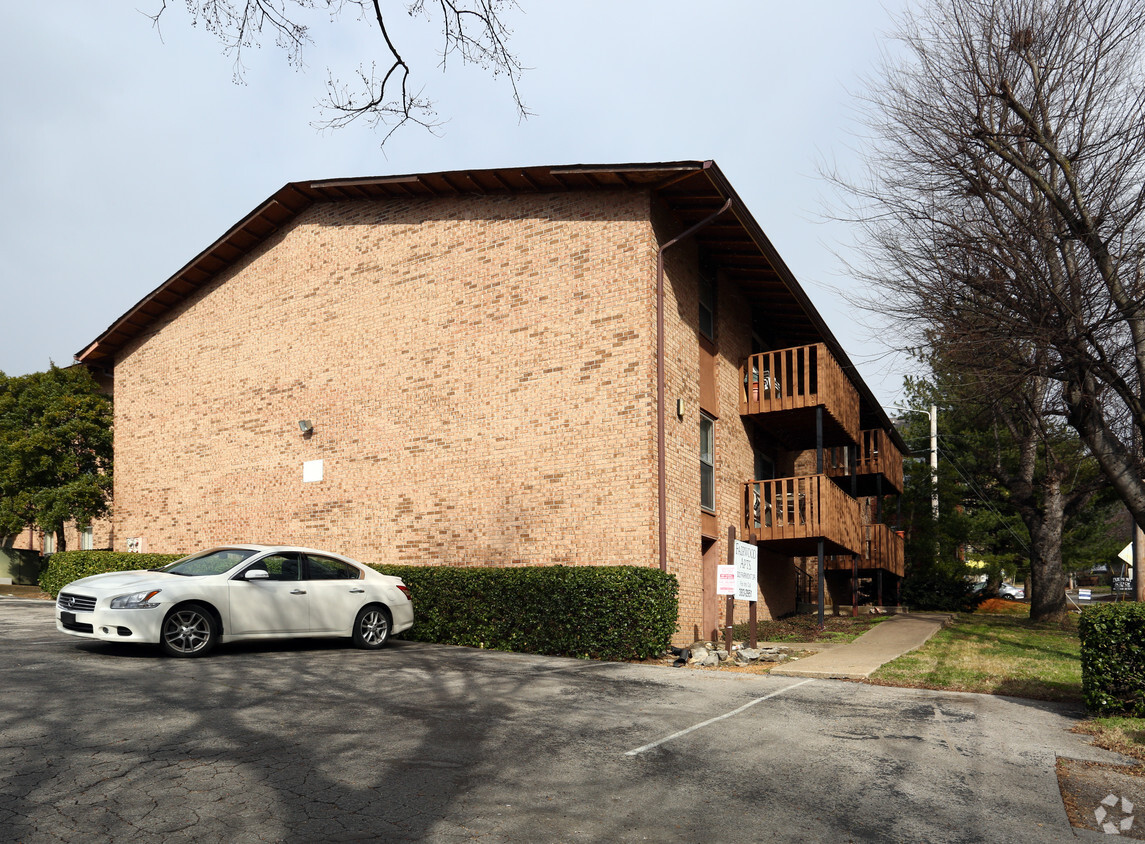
(1047, 574)
(61, 541)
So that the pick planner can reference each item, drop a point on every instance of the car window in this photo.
(278, 566)
(215, 561)
(327, 568)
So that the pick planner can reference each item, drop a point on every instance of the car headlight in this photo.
(135, 601)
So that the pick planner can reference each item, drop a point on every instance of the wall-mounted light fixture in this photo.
(306, 427)
(680, 409)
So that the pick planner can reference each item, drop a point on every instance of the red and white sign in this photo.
(725, 580)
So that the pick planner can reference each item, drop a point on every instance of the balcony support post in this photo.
(880, 579)
(819, 587)
(854, 586)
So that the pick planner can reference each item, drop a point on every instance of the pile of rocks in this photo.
(713, 654)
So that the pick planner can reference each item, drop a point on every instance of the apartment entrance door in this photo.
(711, 606)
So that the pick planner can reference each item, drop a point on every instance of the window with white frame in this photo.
(49, 543)
(86, 539)
(707, 463)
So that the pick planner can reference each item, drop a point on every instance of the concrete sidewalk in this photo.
(882, 643)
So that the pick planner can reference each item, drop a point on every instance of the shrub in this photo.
(603, 612)
(1113, 658)
(67, 566)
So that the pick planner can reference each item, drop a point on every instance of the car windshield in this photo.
(215, 561)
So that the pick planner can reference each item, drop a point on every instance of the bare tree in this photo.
(1004, 200)
(384, 93)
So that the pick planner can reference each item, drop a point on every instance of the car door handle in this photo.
(297, 591)
(355, 590)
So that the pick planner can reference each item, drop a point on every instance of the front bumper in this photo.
(110, 625)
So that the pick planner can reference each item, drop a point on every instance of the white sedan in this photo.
(1011, 593)
(238, 592)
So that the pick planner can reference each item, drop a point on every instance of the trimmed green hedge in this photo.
(1113, 658)
(602, 612)
(67, 566)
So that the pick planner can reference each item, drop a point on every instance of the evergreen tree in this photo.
(55, 451)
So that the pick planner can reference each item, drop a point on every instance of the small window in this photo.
(86, 539)
(49, 543)
(708, 305)
(327, 568)
(707, 463)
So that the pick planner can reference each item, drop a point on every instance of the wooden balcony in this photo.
(782, 389)
(791, 515)
(876, 464)
(882, 549)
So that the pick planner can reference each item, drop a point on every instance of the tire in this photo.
(372, 627)
(189, 630)
(1009, 598)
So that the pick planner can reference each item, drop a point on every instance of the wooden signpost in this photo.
(739, 579)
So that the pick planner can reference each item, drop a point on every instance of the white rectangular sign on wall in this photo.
(311, 471)
(747, 568)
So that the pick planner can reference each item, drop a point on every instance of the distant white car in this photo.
(234, 593)
(1011, 593)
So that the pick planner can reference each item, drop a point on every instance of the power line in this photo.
(982, 497)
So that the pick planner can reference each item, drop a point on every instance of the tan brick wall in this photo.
(102, 531)
(102, 535)
(733, 448)
(479, 372)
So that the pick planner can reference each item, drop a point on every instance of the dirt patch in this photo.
(805, 628)
(1103, 797)
(9, 591)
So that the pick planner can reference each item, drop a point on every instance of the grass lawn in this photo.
(994, 653)
(1121, 735)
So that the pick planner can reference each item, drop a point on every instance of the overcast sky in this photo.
(126, 153)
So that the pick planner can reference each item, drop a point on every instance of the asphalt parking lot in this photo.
(316, 741)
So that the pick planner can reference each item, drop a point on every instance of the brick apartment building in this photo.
(579, 365)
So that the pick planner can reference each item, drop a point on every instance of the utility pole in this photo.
(933, 414)
(934, 460)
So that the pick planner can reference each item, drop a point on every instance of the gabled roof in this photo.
(692, 190)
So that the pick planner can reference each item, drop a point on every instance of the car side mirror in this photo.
(256, 574)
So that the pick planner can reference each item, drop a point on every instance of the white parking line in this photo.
(695, 727)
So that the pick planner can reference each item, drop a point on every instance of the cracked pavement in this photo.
(316, 741)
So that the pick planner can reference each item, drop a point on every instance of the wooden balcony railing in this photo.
(800, 378)
(874, 455)
(886, 549)
(882, 549)
(794, 513)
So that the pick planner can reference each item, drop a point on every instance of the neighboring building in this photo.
(477, 356)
